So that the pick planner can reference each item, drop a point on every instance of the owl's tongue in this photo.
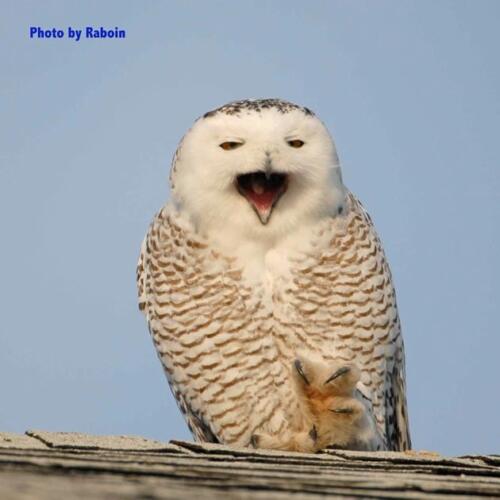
(262, 191)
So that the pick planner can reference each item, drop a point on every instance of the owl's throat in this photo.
(263, 191)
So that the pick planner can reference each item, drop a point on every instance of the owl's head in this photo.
(257, 169)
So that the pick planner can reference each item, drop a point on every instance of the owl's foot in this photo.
(328, 393)
(329, 414)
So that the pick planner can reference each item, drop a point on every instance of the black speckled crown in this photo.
(257, 105)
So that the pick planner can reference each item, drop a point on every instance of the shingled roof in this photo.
(42, 465)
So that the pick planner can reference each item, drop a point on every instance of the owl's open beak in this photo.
(262, 190)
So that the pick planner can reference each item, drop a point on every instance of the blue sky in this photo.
(410, 91)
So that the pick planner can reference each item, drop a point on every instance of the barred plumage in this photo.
(230, 318)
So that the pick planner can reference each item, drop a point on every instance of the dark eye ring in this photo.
(228, 145)
(296, 143)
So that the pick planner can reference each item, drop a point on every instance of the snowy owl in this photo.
(267, 292)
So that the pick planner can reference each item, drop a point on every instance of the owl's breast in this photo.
(228, 327)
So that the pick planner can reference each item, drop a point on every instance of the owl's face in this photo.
(258, 170)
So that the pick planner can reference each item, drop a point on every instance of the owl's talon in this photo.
(300, 370)
(337, 374)
(313, 433)
(254, 440)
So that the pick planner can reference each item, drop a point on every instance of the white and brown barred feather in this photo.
(227, 348)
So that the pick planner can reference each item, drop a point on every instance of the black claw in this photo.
(343, 411)
(254, 440)
(300, 370)
(313, 433)
(338, 373)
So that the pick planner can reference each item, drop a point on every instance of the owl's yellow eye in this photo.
(296, 143)
(226, 146)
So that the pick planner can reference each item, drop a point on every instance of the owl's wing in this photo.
(397, 423)
(200, 430)
(365, 321)
(142, 276)
(145, 267)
